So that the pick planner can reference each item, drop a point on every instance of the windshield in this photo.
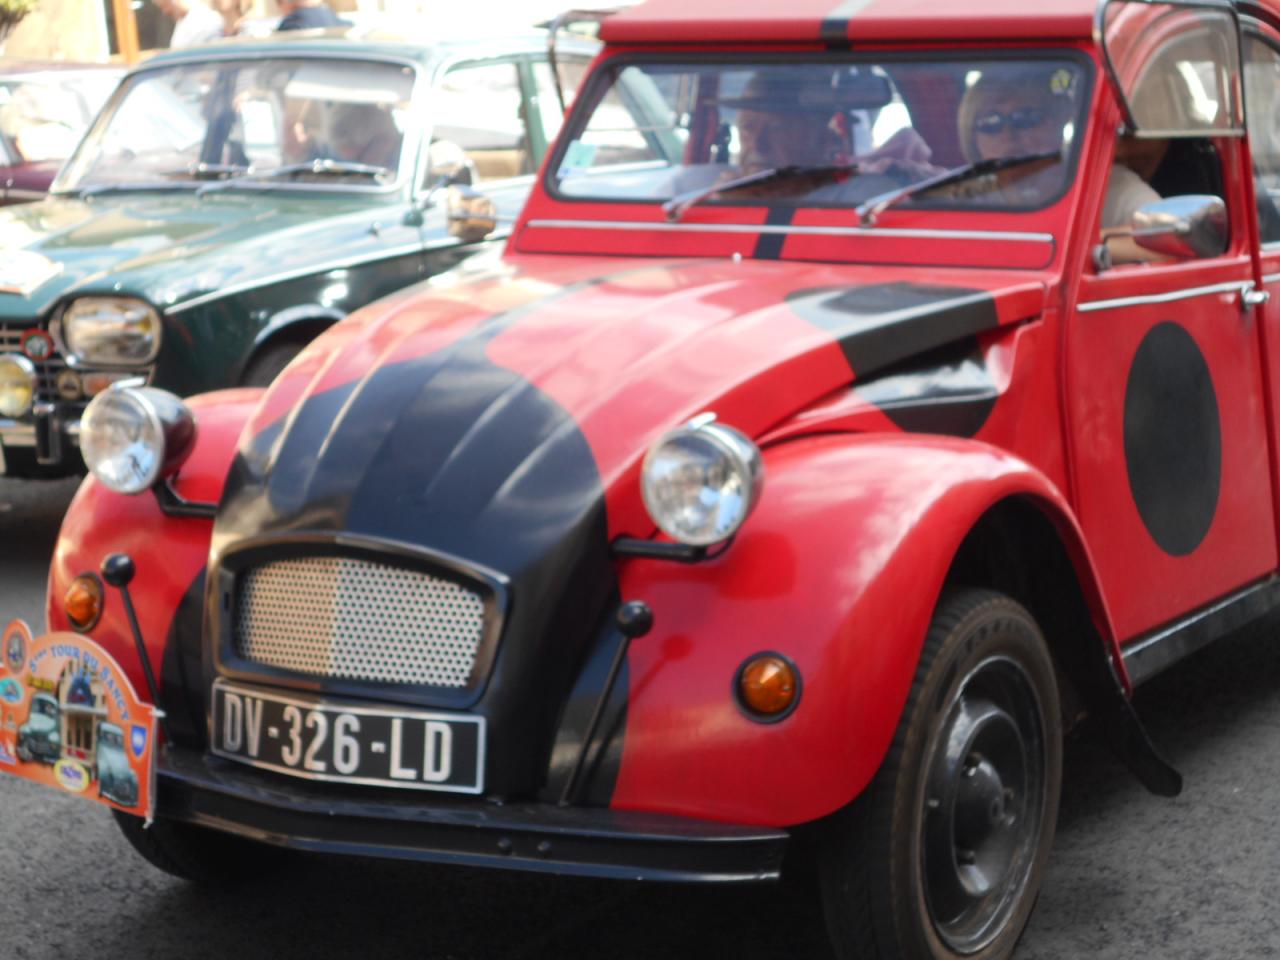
(110, 736)
(212, 121)
(840, 131)
(42, 119)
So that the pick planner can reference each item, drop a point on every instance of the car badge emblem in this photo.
(37, 345)
(138, 740)
(68, 385)
(15, 652)
(22, 271)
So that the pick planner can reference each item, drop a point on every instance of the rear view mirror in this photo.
(472, 215)
(1187, 227)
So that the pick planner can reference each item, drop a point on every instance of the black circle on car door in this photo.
(1173, 439)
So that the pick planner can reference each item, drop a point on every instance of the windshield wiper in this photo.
(677, 206)
(322, 166)
(97, 188)
(211, 171)
(872, 208)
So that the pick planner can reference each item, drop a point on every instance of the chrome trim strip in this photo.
(1005, 235)
(15, 434)
(17, 193)
(1271, 278)
(1146, 657)
(307, 271)
(1236, 286)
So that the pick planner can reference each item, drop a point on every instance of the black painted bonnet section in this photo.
(465, 459)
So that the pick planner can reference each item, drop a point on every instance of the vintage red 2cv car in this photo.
(868, 393)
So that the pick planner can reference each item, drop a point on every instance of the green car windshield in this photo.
(829, 132)
(282, 121)
(110, 736)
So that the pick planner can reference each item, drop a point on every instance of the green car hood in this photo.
(171, 247)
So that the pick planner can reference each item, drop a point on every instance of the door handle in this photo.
(1250, 297)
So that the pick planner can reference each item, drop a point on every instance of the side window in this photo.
(571, 74)
(479, 123)
(1262, 118)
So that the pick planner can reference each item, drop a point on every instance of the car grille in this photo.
(356, 619)
(46, 370)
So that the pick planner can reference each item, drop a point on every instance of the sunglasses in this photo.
(1023, 118)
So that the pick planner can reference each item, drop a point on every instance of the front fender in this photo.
(170, 552)
(839, 568)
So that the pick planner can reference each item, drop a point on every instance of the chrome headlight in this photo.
(111, 330)
(132, 436)
(700, 482)
(17, 384)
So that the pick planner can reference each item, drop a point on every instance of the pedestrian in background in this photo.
(308, 15)
(194, 22)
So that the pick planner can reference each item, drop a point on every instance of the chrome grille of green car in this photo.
(357, 619)
(46, 370)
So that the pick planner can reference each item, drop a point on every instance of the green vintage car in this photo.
(232, 201)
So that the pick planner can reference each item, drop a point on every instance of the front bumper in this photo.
(545, 838)
(49, 436)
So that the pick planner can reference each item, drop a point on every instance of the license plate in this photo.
(319, 740)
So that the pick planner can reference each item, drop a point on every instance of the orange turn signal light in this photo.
(768, 686)
(83, 602)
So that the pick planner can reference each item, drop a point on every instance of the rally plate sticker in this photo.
(348, 743)
(70, 719)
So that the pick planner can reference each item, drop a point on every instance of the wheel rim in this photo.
(983, 805)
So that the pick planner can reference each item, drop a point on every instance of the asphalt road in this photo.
(1132, 875)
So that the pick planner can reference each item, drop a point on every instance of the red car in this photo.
(868, 393)
(45, 108)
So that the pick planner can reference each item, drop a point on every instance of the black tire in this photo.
(268, 362)
(193, 853)
(942, 856)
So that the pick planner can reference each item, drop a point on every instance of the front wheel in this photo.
(943, 854)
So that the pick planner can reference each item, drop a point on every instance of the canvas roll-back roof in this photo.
(858, 21)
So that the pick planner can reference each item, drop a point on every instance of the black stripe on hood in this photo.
(457, 455)
(948, 391)
(879, 325)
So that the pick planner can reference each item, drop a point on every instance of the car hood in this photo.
(500, 420)
(171, 247)
(620, 351)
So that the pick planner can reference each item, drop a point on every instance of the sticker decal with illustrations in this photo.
(70, 719)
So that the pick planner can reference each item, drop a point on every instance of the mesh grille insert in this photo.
(358, 620)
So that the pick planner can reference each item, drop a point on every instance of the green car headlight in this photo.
(111, 331)
(17, 385)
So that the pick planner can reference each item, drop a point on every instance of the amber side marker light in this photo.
(768, 687)
(83, 602)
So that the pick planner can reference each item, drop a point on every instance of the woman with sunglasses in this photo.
(1017, 111)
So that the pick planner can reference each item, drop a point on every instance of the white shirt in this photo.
(1126, 192)
(199, 25)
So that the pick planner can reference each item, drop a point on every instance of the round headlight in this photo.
(111, 330)
(700, 482)
(17, 384)
(131, 437)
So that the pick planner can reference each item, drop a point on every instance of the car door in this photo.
(1165, 397)
(1262, 105)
